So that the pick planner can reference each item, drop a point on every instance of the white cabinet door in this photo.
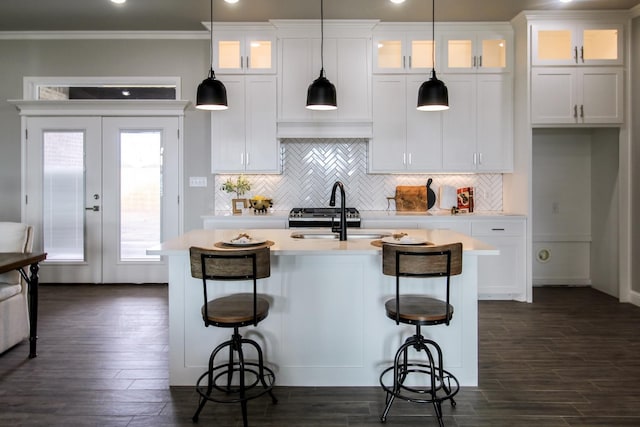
(583, 43)
(572, 95)
(477, 128)
(403, 52)
(476, 52)
(244, 52)
(347, 65)
(502, 276)
(404, 139)
(243, 138)
(387, 148)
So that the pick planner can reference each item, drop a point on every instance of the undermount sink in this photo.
(331, 235)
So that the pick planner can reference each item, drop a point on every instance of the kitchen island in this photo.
(327, 324)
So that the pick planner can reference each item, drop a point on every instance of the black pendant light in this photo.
(433, 94)
(321, 94)
(212, 95)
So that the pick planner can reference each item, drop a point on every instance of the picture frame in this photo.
(238, 205)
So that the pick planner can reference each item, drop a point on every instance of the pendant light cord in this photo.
(433, 35)
(321, 38)
(212, 74)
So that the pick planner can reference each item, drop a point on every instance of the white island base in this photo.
(327, 324)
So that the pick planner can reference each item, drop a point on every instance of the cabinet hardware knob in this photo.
(575, 53)
(575, 111)
(497, 229)
(410, 65)
(582, 111)
(480, 61)
(582, 53)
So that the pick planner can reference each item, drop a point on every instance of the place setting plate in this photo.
(405, 240)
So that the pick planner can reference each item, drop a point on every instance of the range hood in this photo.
(325, 129)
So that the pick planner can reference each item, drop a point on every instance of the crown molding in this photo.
(91, 107)
(103, 35)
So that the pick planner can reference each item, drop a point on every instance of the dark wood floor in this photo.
(570, 359)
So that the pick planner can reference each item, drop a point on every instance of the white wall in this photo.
(635, 147)
(575, 209)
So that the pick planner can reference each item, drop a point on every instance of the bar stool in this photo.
(427, 381)
(235, 380)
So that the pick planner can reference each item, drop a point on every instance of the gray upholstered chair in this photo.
(14, 312)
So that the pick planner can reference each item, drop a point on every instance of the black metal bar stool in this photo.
(235, 380)
(421, 379)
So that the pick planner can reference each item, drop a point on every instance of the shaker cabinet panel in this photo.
(243, 138)
(478, 127)
(404, 139)
(577, 95)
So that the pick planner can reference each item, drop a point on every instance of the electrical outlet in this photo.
(197, 181)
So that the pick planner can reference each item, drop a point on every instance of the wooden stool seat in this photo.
(416, 309)
(236, 310)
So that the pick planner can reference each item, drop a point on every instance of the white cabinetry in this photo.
(483, 51)
(243, 138)
(502, 276)
(478, 127)
(577, 43)
(402, 52)
(244, 49)
(576, 95)
(347, 64)
(404, 139)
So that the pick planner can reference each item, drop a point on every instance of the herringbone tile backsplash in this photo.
(311, 166)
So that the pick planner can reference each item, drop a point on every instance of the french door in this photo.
(99, 192)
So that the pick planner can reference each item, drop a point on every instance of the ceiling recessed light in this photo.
(397, 1)
(118, 1)
(565, 1)
(231, 1)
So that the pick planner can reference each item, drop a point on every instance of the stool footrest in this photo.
(254, 387)
(445, 388)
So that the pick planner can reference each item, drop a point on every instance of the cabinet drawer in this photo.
(497, 228)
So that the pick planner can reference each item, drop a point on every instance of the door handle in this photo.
(94, 208)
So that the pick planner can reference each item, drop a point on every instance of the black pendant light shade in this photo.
(321, 94)
(433, 95)
(212, 95)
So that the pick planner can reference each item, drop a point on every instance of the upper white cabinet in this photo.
(346, 66)
(577, 95)
(481, 51)
(243, 138)
(244, 49)
(477, 130)
(585, 43)
(404, 139)
(403, 52)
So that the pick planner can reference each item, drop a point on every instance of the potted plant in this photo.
(240, 186)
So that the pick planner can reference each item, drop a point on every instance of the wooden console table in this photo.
(17, 261)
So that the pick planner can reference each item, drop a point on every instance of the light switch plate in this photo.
(197, 181)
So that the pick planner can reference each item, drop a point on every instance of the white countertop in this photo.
(284, 244)
(390, 214)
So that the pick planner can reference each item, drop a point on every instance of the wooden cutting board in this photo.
(411, 198)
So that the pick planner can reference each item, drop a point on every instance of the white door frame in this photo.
(102, 108)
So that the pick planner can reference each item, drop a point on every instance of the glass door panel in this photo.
(260, 54)
(422, 53)
(140, 194)
(600, 44)
(494, 54)
(63, 195)
(554, 45)
(460, 54)
(390, 54)
(229, 55)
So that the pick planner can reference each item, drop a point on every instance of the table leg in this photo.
(33, 309)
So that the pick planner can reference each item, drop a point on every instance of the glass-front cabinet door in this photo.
(584, 44)
(476, 52)
(403, 53)
(244, 53)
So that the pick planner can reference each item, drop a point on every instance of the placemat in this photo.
(379, 243)
(223, 245)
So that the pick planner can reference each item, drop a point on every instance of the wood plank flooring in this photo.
(572, 358)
